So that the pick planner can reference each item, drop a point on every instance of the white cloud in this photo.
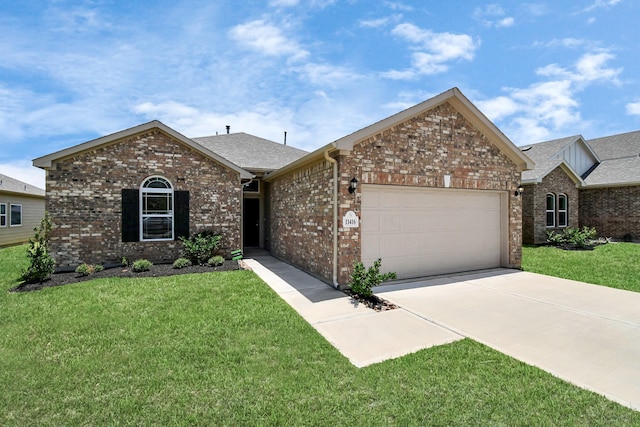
(633, 108)
(329, 75)
(533, 113)
(534, 9)
(499, 107)
(598, 4)
(268, 39)
(394, 5)
(283, 3)
(380, 22)
(493, 15)
(434, 51)
(24, 171)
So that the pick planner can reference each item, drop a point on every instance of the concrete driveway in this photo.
(586, 334)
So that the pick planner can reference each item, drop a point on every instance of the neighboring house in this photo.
(21, 210)
(578, 182)
(429, 190)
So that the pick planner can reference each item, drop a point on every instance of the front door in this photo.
(251, 223)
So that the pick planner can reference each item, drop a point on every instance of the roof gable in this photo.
(573, 151)
(463, 106)
(251, 152)
(545, 167)
(12, 185)
(47, 161)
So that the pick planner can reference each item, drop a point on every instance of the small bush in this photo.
(181, 263)
(88, 269)
(362, 280)
(215, 261)
(141, 265)
(200, 247)
(573, 237)
(125, 262)
(41, 264)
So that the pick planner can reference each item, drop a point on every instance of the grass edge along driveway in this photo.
(614, 265)
(223, 349)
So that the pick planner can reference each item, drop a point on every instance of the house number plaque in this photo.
(350, 220)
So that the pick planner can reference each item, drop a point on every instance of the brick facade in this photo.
(417, 152)
(534, 218)
(301, 218)
(613, 211)
(84, 197)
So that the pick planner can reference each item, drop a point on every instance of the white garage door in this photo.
(421, 232)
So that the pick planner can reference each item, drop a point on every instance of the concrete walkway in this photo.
(588, 335)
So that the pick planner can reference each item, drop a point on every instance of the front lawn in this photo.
(615, 265)
(223, 349)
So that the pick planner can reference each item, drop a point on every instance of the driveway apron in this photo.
(586, 334)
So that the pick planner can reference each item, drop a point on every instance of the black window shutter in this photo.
(181, 213)
(130, 215)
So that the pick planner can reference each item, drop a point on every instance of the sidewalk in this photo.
(359, 333)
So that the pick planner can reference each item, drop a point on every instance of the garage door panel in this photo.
(422, 232)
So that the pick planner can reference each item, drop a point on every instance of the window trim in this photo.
(565, 210)
(3, 216)
(11, 224)
(550, 196)
(171, 215)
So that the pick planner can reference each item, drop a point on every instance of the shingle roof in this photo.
(12, 185)
(625, 171)
(545, 150)
(617, 146)
(544, 156)
(251, 152)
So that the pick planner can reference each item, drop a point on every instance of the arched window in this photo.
(156, 209)
(551, 210)
(563, 210)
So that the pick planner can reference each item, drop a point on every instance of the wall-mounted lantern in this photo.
(519, 190)
(353, 185)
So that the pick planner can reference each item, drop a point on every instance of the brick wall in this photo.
(535, 216)
(84, 197)
(417, 152)
(301, 218)
(614, 212)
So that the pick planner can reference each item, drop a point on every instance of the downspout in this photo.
(335, 218)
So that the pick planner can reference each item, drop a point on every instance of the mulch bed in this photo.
(157, 270)
(373, 302)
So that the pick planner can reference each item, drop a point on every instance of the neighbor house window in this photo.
(3, 214)
(551, 210)
(156, 209)
(16, 215)
(563, 218)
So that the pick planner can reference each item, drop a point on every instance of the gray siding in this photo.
(32, 213)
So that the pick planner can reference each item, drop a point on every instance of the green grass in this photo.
(615, 265)
(223, 349)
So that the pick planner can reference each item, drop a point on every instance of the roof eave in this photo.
(458, 100)
(609, 185)
(46, 162)
(302, 161)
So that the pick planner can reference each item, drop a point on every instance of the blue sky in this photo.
(71, 71)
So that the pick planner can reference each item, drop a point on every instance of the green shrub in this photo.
(200, 247)
(362, 280)
(181, 263)
(573, 237)
(88, 269)
(41, 264)
(125, 262)
(215, 261)
(141, 265)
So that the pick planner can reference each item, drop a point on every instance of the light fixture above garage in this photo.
(353, 185)
(519, 190)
